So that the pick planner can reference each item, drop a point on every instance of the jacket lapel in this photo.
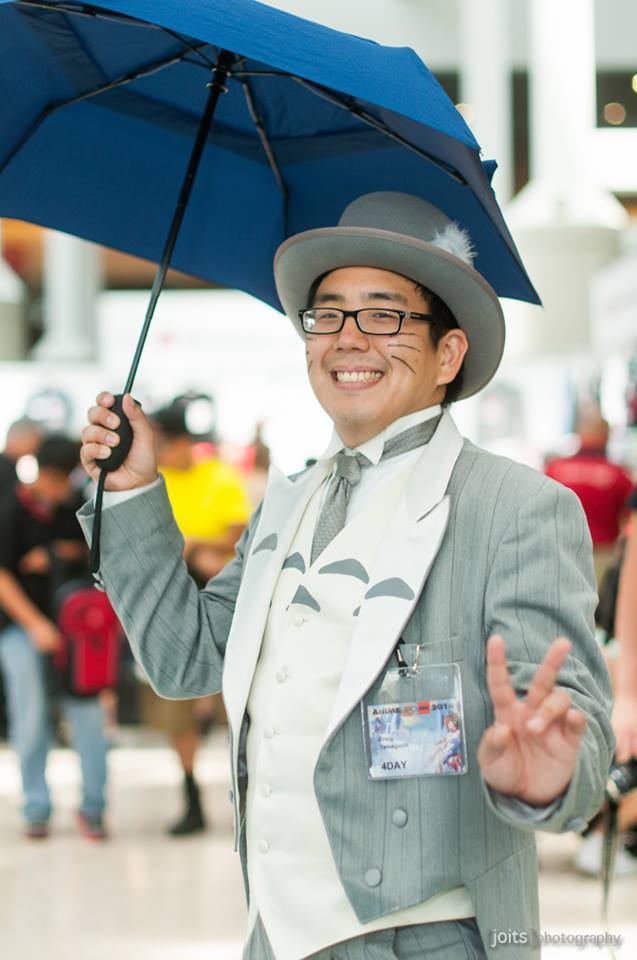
(401, 570)
(283, 506)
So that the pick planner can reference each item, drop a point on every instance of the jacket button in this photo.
(399, 817)
(264, 846)
(372, 877)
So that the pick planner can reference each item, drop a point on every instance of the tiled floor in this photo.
(144, 896)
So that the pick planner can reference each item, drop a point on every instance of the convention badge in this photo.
(414, 724)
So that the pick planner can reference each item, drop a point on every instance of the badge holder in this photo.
(413, 726)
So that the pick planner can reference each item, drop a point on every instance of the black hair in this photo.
(58, 452)
(174, 419)
(443, 322)
(171, 420)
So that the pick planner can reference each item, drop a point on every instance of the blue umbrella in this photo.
(106, 105)
(340, 117)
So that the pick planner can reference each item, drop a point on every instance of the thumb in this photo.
(131, 408)
(139, 422)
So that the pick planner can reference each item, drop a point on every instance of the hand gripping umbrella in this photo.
(105, 105)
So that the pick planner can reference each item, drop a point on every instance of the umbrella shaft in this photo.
(216, 87)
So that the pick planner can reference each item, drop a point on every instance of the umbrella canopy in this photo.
(101, 104)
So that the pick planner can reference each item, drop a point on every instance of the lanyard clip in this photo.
(405, 669)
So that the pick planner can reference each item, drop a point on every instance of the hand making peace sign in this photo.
(530, 750)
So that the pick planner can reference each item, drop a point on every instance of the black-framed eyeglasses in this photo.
(375, 321)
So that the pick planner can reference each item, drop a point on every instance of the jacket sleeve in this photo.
(541, 585)
(178, 633)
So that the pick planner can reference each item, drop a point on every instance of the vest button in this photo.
(372, 877)
(282, 675)
(266, 789)
(264, 846)
(269, 731)
(299, 620)
(399, 817)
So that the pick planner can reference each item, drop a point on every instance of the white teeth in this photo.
(357, 376)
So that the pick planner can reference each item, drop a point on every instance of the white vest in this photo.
(294, 884)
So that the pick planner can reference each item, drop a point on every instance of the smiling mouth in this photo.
(356, 376)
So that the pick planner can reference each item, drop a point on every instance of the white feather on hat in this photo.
(456, 241)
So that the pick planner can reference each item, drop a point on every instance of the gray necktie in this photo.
(349, 468)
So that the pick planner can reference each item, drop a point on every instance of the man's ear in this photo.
(451, 352)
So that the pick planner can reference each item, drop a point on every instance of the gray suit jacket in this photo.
(499, 549)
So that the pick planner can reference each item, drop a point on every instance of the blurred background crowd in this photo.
(63, 654)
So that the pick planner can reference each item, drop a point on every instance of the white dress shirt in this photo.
(385, 471)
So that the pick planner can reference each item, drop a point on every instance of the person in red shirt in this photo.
(603, 487)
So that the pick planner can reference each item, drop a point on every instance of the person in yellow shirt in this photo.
(211, 509)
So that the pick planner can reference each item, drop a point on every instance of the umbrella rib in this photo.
(379, 125)
(86, 10)
(191, 46)
(71, 26)
(261, 73)
(103, 88)
(361, 115)
(267, 146)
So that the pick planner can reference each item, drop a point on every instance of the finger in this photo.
(494, 743)
(574, 726)
(103, 417)
(105, 398)
(92, 453)
(622, 749)
(498, 679)
(626, 746)
(554, 707)
(546, 674)
(95, 434)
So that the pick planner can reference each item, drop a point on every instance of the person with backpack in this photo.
(41, 549)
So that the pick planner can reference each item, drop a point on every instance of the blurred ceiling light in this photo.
(200, 415)
(614, 113)
(26, 469)
(634, 82)
(466, 111)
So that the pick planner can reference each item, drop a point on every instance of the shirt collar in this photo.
(373, 448)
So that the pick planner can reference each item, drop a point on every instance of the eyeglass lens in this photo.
(371, 320)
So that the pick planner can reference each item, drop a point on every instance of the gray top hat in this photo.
(407, 235)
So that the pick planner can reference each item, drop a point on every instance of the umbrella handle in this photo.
(125, 433)
(115, 459)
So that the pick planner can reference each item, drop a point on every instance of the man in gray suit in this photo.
(390, 760)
